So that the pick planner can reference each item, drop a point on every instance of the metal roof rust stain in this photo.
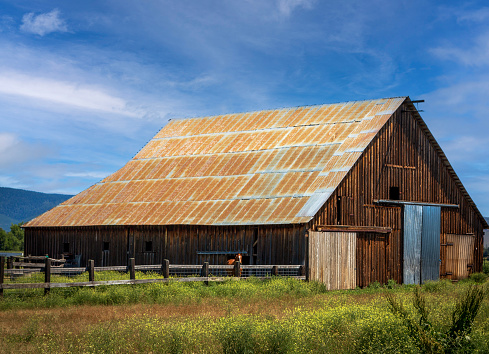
(249, 168)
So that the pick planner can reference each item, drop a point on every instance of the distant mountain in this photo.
(18, 205)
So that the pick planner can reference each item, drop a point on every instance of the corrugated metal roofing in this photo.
(268, 167)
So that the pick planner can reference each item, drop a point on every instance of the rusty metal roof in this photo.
(268, 167)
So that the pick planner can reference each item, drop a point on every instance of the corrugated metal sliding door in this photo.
(430, 244)
(421, 244)
(332, 258)
(413, 222)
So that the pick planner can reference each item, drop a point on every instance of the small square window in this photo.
(148, 246)
(394, 193)
(66, 247)
(106, 246)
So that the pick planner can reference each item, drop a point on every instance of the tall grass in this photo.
(430, 338)
(354, 328)
(154, 293)
(355, 321)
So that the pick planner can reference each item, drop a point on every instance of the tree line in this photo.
(12, 240)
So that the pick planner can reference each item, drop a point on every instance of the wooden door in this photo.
(332, 259)
(371, 260)
(459, 256)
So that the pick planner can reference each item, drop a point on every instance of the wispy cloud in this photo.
(475, 55)
(44, 23)
(286, 7)
(67, 93)
(6, 22)
(14, 151)
(478, 15)
(89, 174)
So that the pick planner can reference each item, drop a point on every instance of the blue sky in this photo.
(85, 84)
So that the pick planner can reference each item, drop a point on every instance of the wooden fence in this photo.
(170, 272)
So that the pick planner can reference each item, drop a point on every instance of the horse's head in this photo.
(239, 258)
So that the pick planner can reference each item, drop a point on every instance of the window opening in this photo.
(338, 211)
(394, 193)
(66, 247)
(106, 246)
(148, 246)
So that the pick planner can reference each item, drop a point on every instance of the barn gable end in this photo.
(404, 162)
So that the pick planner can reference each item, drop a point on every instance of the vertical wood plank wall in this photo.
(371, 260)
(460, 260)
(402, 156)
(332, 259)
(179, 244)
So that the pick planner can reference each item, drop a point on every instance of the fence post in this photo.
(132, 268)
(302, 270)
(9, 262)
(47, 274)
(237, 269)
(205, 269)
(274, 270)
(165, 268)
(91, 270)
(205, 272)
(2, 273)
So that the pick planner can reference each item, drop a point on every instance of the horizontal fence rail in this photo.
(170, 272)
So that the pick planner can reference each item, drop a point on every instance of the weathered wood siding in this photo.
(371, 260)
(180, 244)
(459, 258)
(332, 259)
(401, 156)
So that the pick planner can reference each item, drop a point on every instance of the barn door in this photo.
(332, 259)
(459, 255)
(421, 244)
(371, 259)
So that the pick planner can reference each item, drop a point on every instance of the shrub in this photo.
(478, 277)
(427, 338)
(435, 286)
(236, 335)
(374, 285)
(485, 267)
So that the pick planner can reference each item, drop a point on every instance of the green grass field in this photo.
(276, 316)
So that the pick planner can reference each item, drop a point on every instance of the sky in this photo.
(84, 85)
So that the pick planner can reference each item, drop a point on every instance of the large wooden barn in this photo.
(357, 191)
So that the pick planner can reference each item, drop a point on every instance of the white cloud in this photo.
(286, 7)
(13, 151)
(7, 181)
(44, 23)
(468, 95)
(6, 22)
(479, 15)
(67, 93)
(89, 174)
(476, 55)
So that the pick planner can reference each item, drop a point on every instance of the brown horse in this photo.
(231, 261)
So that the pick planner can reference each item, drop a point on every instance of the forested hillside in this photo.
(18, 205)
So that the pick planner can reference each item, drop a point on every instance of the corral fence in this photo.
(20, 266)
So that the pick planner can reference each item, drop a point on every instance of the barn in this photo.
(357, 192)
